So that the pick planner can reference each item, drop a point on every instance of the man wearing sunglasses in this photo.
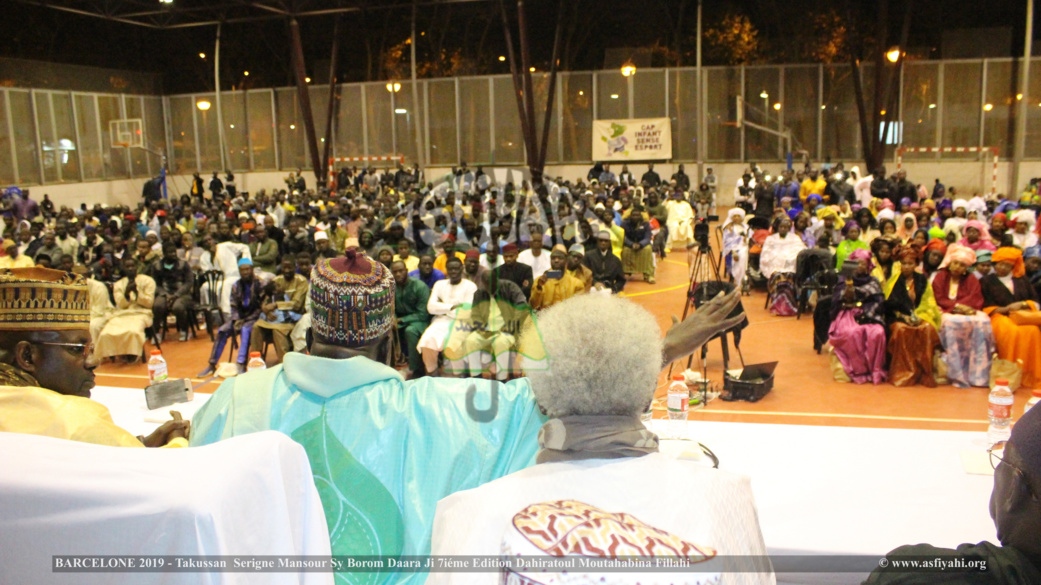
(47, 366)
(1016, 509)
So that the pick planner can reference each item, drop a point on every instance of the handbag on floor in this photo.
(940, 370)
(1009, 370)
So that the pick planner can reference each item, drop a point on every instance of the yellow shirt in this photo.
(22, 261)
(412, 262)
(441, 262)
(555, 290)
(38, 411)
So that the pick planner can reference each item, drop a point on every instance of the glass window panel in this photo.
(612, 96)
(209, 141)
(1033, 97)
(90, 145)
(998, 121)
(350, 140)
(320, 109)
(380, 117)
(648, 94)
(541, 82)
(961, 106)
(138, 157)
(800, 107)
(840, 134)
(473, 121)
(760, 82)
(290, 130)
(6, 159)
(24, 137)
(261, 129)
(47, 140)
(441, 121)
(919, 110)
(182, 133)
(577, 92)
(67, 160)
(723, 140)
(683, 102)
(236, 132)
(509, 138)
(155, 133)
(405, 123)
(115, 158)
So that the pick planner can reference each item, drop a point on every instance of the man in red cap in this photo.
(514, 271)
(472, 269)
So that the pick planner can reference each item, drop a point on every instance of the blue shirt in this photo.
(435, 276)
(383, 451)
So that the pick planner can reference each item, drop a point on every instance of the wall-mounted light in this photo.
(202, 105)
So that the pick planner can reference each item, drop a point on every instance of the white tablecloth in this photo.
(129, 411)
(250, 495)
(839, 490)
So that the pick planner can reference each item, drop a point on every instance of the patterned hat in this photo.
(43, 299)
(352, 300)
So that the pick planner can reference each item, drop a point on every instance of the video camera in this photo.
(701, 230)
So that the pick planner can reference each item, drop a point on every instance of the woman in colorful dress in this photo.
(965, 330)
(777, 263)
(857, 333)
(1011, 302)
(914, 319)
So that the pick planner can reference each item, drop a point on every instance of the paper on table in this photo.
(976, 462)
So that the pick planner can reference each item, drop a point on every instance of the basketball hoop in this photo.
(127, 133)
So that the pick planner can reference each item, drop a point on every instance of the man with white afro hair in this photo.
(590, 369)
(603, 357)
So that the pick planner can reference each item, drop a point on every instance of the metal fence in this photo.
(49, 136)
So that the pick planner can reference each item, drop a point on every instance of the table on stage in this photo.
(850, 491)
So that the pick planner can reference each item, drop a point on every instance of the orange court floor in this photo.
(804, 391)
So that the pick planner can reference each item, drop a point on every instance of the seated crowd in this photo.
(919, 280)
(381, 268)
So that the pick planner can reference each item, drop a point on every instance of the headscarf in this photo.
(962, 254)
(1012, 255)
(983, 256)
(830, 212)
(904, 252)
(885, 214)
(979, 225)
(977, 204)
(960, 204)
(937, 244)
(861, 254)
(1000, 216)
(887, 204)
(929, 204)
(1026, 216)
(905, 201)
(901, 231)
(937, 232)
(944, 204)
(1032, 252)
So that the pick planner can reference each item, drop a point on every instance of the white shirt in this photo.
(446, 295)
(722, 516)
(539, 264)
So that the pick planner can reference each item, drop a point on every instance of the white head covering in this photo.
(320, 236)
(977, 204)
(735, 212)
(886, 214)
(1026, 216)
(960, 203)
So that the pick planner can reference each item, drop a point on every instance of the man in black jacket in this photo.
(174, 282)
(650, 178)
(517, 272)
(606, 267)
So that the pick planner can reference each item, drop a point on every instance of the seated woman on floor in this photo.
(908, 226)
(914, 319)
(884, 260)
(977, 236)
(868, 229)
(887, 228)
(851, 231)
(932, 257)
(777, 263)
(857, 333)
(1012, 304)
(965, 330)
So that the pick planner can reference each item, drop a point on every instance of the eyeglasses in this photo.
(84, 349)
(996, 459)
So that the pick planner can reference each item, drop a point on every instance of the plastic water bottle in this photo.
(999, 412)
(1034, 398)
(678, 398)
(255, 362)
(157, 371)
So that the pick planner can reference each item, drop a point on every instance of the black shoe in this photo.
(209, 371)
